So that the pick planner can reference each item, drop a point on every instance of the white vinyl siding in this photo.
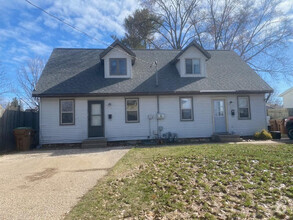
(116, 128)
(288, 99)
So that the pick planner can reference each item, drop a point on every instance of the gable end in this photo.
(118, 43)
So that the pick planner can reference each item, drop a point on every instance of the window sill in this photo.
(118, 76)
(193, 75)
(244, 119)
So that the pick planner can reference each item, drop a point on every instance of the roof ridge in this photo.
(168, 50)
(72, 48)
(164, 49)
(219, 50)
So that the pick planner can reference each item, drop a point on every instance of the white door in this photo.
(219, 116)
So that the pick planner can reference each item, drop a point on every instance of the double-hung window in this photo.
(192, 66)
(118, 67)
(66, 112)
(243, 107)
(132, 110)
(186, 109)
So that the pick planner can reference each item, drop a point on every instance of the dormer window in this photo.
(118, 61)
(191, 61)
(118, 66)
(192, 66)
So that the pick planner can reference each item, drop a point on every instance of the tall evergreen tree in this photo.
(140, 28)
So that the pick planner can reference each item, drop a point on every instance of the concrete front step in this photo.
(94, 143)
(226, 138)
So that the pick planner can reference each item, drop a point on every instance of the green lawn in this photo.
(200, 181)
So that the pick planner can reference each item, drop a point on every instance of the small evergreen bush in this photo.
(263, 135)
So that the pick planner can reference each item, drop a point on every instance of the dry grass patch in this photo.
(205, 182)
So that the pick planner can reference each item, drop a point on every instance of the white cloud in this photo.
(40, 48)
(285, 6)
(93, 16)
(69, 44)
(20, 59)
(36, 47)
(50, 22)
(30, 26)
(32, 32)
(22, 35)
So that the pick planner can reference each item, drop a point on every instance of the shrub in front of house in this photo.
(263, 135)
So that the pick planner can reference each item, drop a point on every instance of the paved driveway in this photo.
(46, 184)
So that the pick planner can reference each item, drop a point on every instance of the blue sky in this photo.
(26, 32)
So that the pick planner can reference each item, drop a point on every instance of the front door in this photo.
(219, 116)
(96, 118)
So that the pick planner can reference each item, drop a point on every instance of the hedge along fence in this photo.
(12, 119)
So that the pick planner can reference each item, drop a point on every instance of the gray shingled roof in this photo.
(79, 72)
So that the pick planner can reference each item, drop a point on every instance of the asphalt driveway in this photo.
(46, 184)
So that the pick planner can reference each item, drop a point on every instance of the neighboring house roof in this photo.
(286, 92)
(194, 44)
(118, 43)
(80, 72)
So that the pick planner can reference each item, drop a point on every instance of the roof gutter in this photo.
(217, 91)
(201, 92)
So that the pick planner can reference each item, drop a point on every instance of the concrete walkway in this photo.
(47, 184)
(281, 141)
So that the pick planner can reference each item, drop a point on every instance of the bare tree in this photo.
(274, 99)
(28, 76)
(250, 28)
(174, 23)
(256, 30)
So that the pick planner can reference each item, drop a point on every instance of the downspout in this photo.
(269, 96)
(40, 122)
(150, 117)
(150, 129)
(157, 76)
(158, 111)
(266, 111)
(158, 101)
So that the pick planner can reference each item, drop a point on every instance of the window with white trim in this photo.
(66, 112)
(243, 107)
(132, 110)
(192, 66)
(186, 109)
(118, 67)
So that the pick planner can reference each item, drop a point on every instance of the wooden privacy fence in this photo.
(12, 119)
